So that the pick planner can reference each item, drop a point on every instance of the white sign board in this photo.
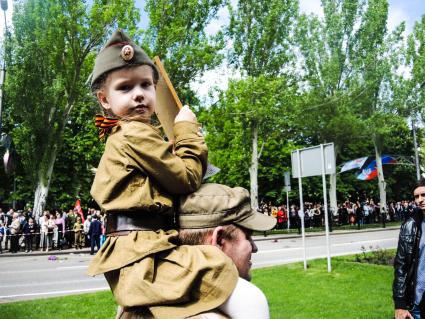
(311, 161)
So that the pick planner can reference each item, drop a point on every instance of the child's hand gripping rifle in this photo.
(168, 106)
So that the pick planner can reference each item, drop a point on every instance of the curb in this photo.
(255, 238)
(47, 253)
(322, 233)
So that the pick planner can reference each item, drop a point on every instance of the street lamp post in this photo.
(3, 4)
(5, 140)
(415, 145)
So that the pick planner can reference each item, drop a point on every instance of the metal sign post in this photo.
(325, 202)
(287, 190)
(301, 211)
(287, 210)
(305, 163)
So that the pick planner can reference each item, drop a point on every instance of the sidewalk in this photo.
(47, 253)
(256, 238)
(321, 233)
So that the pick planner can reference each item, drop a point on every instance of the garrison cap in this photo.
(215, 205)
(119, 52)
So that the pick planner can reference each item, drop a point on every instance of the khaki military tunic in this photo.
(78, 235)
(139, 174)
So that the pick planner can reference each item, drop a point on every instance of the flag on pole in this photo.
(355, 163)
(371, 171)
(78, 210)
(368, 173)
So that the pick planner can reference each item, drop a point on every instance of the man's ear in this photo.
(216, 238)
(103, 100)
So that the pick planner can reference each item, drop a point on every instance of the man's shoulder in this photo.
(409, 227)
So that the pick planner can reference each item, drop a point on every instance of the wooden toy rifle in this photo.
(168, 105)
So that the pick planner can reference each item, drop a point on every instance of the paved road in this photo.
(283, 251)
(32, 277)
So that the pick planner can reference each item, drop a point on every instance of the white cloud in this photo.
(2, 25)
(396, 16)
(217, 24)
(207, 85)
(311, 6)
(8, 17)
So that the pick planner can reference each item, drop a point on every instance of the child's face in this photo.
(130, 93)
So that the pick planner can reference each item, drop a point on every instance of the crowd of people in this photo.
(348, 213)
(23, 231)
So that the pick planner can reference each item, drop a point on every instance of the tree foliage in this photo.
(228, 135)
(176, 33)
(302, 80)
(261, 36)
(52, 48)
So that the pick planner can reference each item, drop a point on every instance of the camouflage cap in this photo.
(119, 52)
(215, 205)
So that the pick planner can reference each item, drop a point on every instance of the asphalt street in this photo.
(31, 277)
(283, 251)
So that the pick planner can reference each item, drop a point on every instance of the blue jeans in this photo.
(415, 312)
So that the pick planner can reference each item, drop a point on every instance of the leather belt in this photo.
(121, 224)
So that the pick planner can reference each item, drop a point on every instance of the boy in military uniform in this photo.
(78, 234)
(136, 181)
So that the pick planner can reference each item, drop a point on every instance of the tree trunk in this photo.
(332, 193)
(40, 198)
(253, 168)
(333, 204)
(44, 178)
(381, 180)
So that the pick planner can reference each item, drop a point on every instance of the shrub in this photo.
(377, 255)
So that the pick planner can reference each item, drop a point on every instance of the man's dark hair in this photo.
(420, 183)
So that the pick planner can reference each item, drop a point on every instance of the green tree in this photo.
(329, 49)
(261, 35)
(228, 138)
(176, 33)
(378, 60)
(346, 56)
(52, 50)
(412, 89)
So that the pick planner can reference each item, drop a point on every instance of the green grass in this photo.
(91, 306)
(351, 290)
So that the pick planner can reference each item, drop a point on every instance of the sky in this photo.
(399, 10)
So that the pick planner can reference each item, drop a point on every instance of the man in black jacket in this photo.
(95, 231)
(409, 263)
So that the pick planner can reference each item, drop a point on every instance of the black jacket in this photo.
(95, 228)
(406, 262)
